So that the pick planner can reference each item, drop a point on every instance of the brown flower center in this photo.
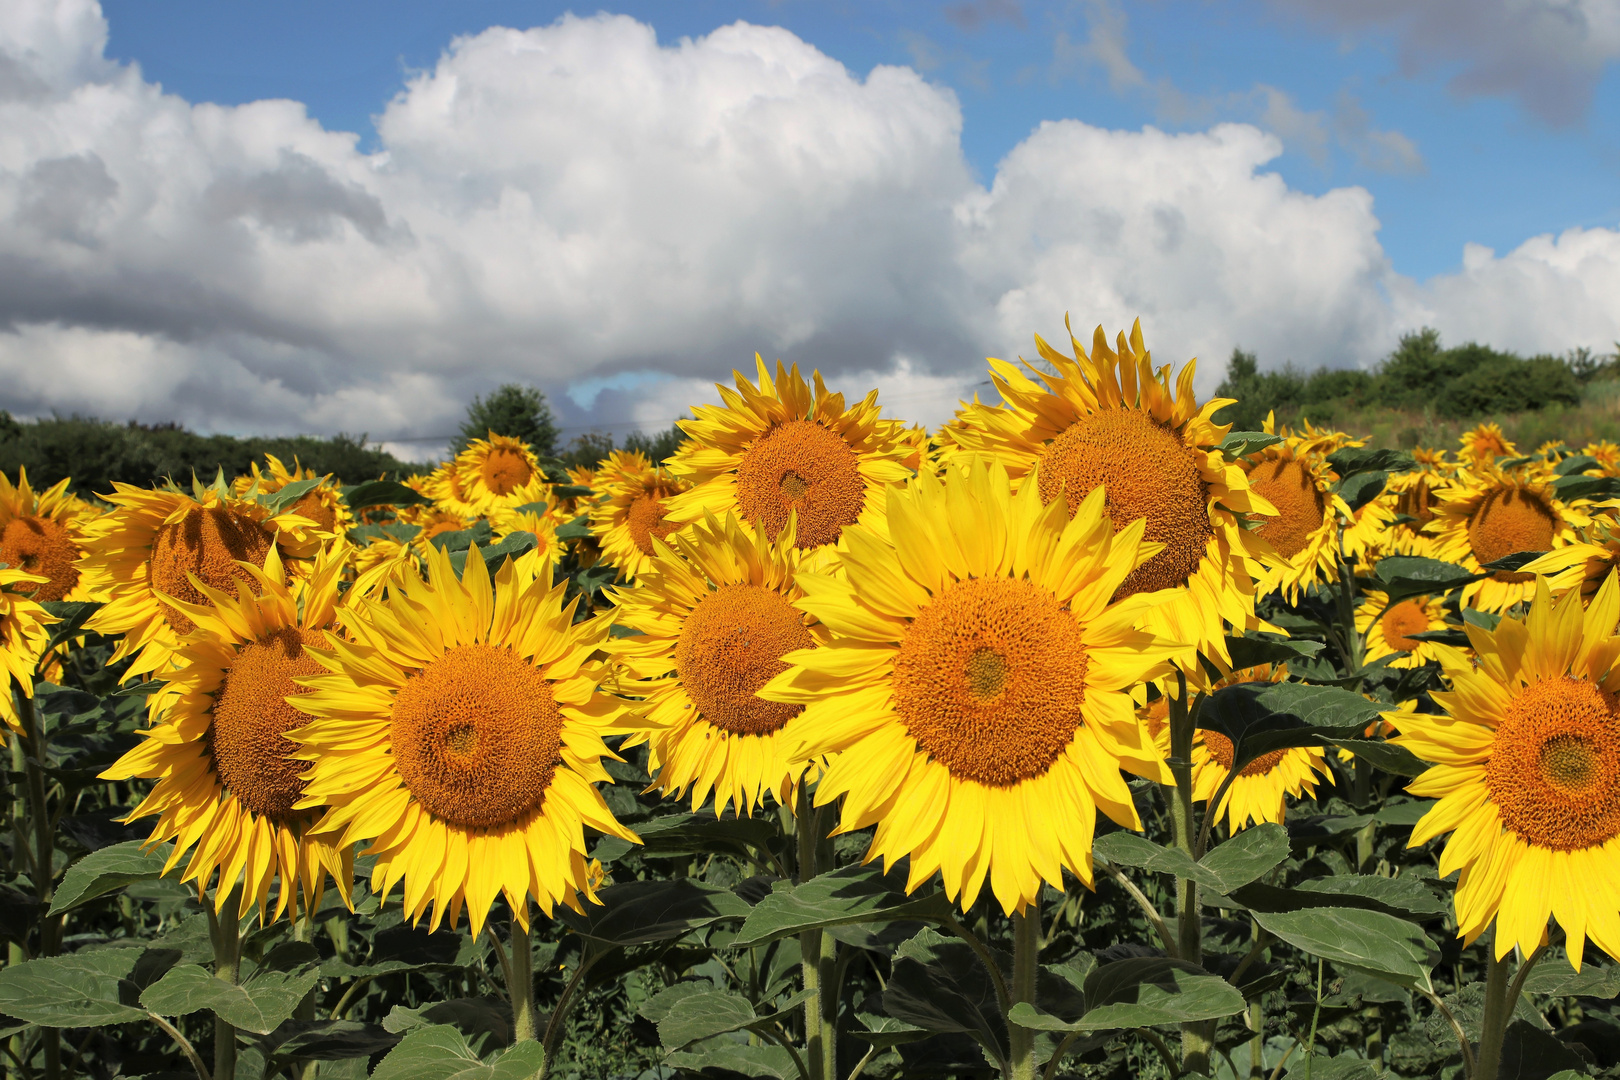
(1554, 767)
(1289, 486)
(1220, 748)
(251, 716)
(1510, 520)
(801, 465)
(645, 519)
(506, 470)
(1401, 620)
(316, 509)
(991, 680)
(476, 735)
(207, 542)
(1146, 471)
(1417, 503)
(730, 646)
(40, 546)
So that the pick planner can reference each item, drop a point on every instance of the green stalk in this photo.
(1026, 964)
(820, 1035)
(1501, 998)
(1195, 1041)
(225, 928)
(521, 986)
(39, 816)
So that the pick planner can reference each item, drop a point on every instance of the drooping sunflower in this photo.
(1387, 627)
(1527, 773)
(714, 614)
(43, 533)
(633, 510)
(1416, 491)
(1295, 478)
(1262, 788)
(785, 446)
(1370, 533)
(323, 504)
(1108, 420)
(497, 473)
(459, 729)
(541, 560)
(976, 684)
(1483, 444)
(153, 541)
(1583, 565)
(1490, 514)
(24, 633)
(218, 746)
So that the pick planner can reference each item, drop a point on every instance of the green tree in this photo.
(516, 411)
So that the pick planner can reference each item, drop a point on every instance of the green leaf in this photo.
(1528, 1053)
(759, 1062)
(441, 1053)
(327, 1040)
(462, 539)
(1577, 463)
(1362, 488)
(1343, 1067)
(108, 870)
(657, 1007)
(939, 984)
(1386, 756)
(1360, 459)
(280, 501)
(258, 1005)
(1554, 976)
(1394, 896)
(1403, 576)
(1224, 868)
(1409, 812)
(478, 1017)
(1570, 488)
(885, 1031)
(1243, 443)
(73, 615)
(578, 529)
(1262, 717)
(1370, 940)
(639, 912)
(1512, 563)
(682, 835)
(850, 894)
(1143, 991)
(1255, 649)
(694, 1017)
(382, 493)
(84, 989)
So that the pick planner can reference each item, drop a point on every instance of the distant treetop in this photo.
(513, 410)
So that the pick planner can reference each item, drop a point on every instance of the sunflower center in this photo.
(1290, 487)
(441, 526)
(506, 470)
(41, 546)
(313, 507)
(991, 680)
(1146, 471)
(247, 739)
(1220, 748)
(730, 646)
(1554, 767)
(1510, 520)
(476, 736)
(207, 542)
(1416, 502)
(801, 465)
(645, 520)
(1402, 620)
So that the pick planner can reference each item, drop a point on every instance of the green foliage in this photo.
(95, 453)
(1464, 382)
(518, 412)
(591, 447)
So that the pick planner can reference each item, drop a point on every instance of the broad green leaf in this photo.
(476, 1016)
(382, 493)
(758, 1062)
(108, 870)
(850, 894)
(1370, 940)
(1131, 849)
(1403, 576)
(1575, 463)
(1554, 976)
(1368, 892)
(462, 539)
(258, 1005)
(1362, 488)
(1262, 717)
(1224, 868)
(1359, 459)
(328, 1040)
(938, 984)
(1386, 756)
(1529, 1053)
(1570, 488)
(638, 912)
(657, 1007)
(441, 1053)
(1252, 650)
(884, 1031)
(1409, 812)
(84, 989)
(73, 615)
(281, 501)
(1322, 1067)
(578, 529)
(1143, 992)
(695, 1017)
(682, 835)
(1243, 443)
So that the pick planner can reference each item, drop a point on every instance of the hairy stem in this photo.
(1195, 1042)
(1026, 965)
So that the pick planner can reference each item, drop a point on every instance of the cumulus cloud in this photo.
(1548, 54)
(580, 206)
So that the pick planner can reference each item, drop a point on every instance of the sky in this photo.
(354, 216)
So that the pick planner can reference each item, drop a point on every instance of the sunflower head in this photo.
(1295, 478)
(633, 510)
(42, 534)
(1489, 514)
(24, 634)
(1483, 444)
(1261, 789)
(322, 505)
(492, 474)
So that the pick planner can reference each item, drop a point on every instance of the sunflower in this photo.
(1370, 533)
(323, 504)
(218, 748)
(445, 487)
(975, 685)
(1482, 445)
(1294, 477)
(633, 511)
(1386, 627)
(1607, 455)
(24, 633)
(1109, 421)
(1527, 774)
(714, 615)
(146, 550)
(460, 730)
(1584, 564)
(495, 474)
(541, 560)
(785, 446)
(1261, 790)
(1490, 514)
(1416, 491)
(43, 534)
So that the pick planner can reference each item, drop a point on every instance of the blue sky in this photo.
(1491, 171)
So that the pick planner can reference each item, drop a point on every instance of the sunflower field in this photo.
(1080, 737)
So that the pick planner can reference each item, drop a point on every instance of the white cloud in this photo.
(579, 206)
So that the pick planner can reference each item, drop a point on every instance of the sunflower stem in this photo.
(39, 817)
(520, 985)
(1195, 1042)
(1026, 964)
(225, 927)
(820, 1034)
(1501, 998)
